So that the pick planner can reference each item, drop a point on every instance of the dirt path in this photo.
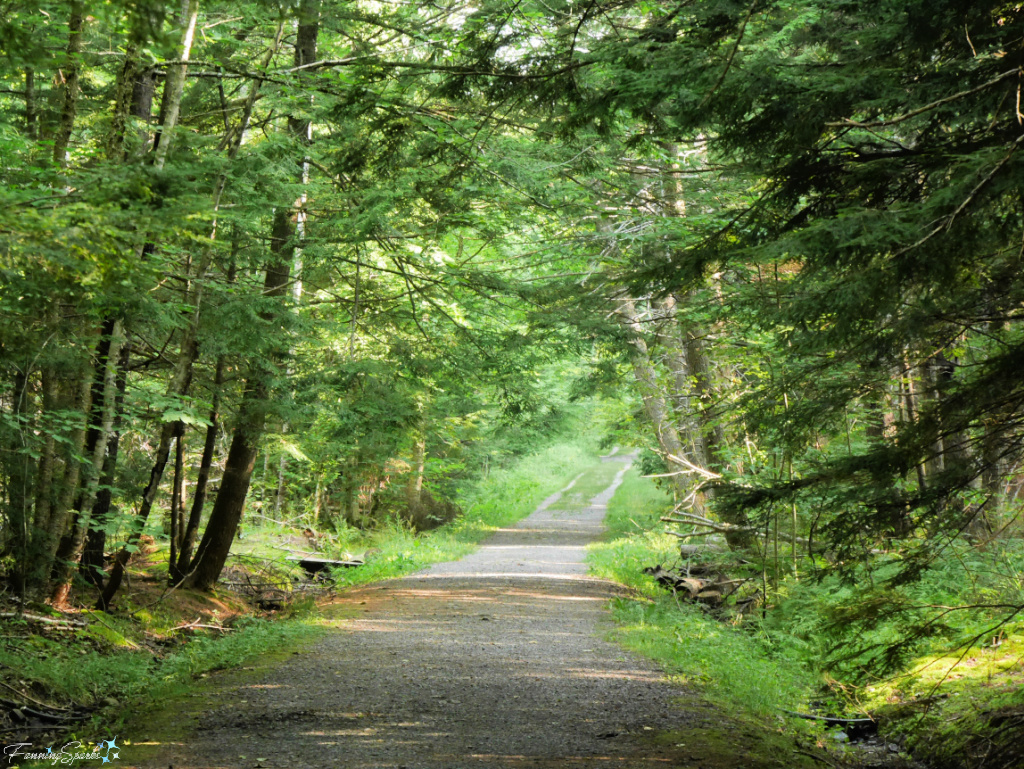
(493, 661)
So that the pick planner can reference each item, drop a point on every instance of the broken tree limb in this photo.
(701, 471)
(713, 525)
(695, 534)
(46, 620)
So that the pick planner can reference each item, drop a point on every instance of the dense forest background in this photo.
(328, 261)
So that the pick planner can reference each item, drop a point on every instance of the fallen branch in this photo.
(198, 624)
(30, 699)
(26, 712)
(854, 727)
(703, 472)
(694, 534)
(46, 620)
(713, 525)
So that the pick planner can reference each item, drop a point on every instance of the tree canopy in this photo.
(286, 254)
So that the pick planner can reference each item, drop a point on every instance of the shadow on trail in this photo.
(496, 660)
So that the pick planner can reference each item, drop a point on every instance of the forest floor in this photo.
(496, 660)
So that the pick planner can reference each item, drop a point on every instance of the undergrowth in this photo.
(505, 496)
(939, 661)
(732, 665)
(115, 678)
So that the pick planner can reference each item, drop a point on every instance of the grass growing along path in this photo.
(125, 663)
(730, 665)
(950, 703)
(501, 499)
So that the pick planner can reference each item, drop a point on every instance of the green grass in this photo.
(731, 665)
(124, 685)
(88, 672)
(635, 538)
(507, 495)
(592, 482)
(728, 664)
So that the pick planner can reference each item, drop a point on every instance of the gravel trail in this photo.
(493, 661)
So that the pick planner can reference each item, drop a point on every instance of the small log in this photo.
(677, 582)
(315, 567)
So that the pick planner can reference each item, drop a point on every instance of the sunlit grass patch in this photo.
(596, 479)
(634, 539)
(726, 663)
(504, 497)
(995, 663)
(959, 702)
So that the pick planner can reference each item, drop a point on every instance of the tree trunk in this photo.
(60, 535)
(70, 74)
(282, 466)
(143, 91)
(176, 512)
(123, 104)
(912, 405)
(92, 562)
(230, 502)
(414, 484)
(17, 541)
(31, 108)
(174, 84)
(188, 539)
(44, 489)
(654, 402)
(711, 431)
(56, 477)
(674, 357)
(318, 500)
(102, 411)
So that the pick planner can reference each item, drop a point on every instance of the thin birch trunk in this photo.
(174, 85)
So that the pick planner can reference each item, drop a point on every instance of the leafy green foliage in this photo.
(505, 496)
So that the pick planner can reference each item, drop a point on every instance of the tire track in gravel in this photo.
(494, 661)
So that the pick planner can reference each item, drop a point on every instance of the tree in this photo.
(873, 249)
